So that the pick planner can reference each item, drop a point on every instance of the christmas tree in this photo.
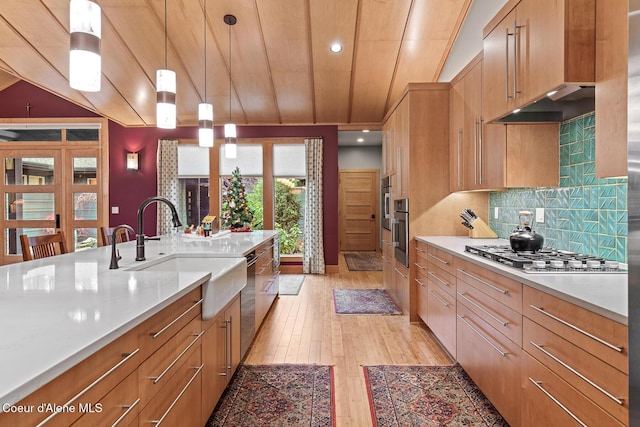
(236, 214)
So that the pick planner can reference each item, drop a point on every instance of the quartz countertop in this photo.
(57, 311)
(602, 293)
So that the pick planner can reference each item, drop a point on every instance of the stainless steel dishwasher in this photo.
(248, 306)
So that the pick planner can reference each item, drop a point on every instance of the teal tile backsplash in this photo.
(584, 214)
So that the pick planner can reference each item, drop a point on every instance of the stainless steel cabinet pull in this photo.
(157, 422)
(230, 343)
(87, 388)
(575, 328)
(385, 258)
(420, 282)
(419, 266)
(195, 304)
(439, 298)
(484, 310)
(459, 157)
(516, 38)
(480, 137)
(575, 372)
(556, 401)
(506, 45)
(419, 249)
(439, 259)
(475, 151)
(400, 273)
(159, 377)
(435, 276)
(492, 286)
(502, 353)
(129, 409)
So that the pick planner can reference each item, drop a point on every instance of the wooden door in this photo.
(358, 201)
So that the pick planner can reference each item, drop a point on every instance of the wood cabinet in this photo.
(266, 280)
(387, 260)
(612, 53)
(401, 285)
(220, 355)
(534, 46)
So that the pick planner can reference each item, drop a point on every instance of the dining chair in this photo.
(107, 235)
(46, 245)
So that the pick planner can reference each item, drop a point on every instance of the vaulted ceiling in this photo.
(282, 71)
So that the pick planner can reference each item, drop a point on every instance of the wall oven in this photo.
(400, 231)
(385, 205)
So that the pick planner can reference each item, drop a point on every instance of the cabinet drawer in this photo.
(157, 330)
(501, 288)
(442, 259)
(605, 385)
(87, 382)
(179, 402)
(501, 317)
(492, 361)
(422, 305)
(157, 370)
(549, 401)
(441, 278)
(441, 317)
(119, 407)
(600, 336)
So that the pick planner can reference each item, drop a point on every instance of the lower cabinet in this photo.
(267, 280)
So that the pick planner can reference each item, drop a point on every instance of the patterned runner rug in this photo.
(277, 395)
(364, 301)
(365, 261)
(290, 284)
(427, 396)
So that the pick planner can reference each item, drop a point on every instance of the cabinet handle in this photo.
(484, 310)
(399, 169)
(420, 266)
(126, 357)
(230, 346)
(385, 258)
(516, 27)
(419, 249)
(506, 45)
(435, 276)
(480, 138)
(459, 157)
(494, 287)
(439, 259)
(420, 282)
(556, 401)
(575, 328)
(575, 372)
(159, 377)
(502, 353)
(475, 151)
(439, 298)
(157, 422)
(400, 273)
(129, 409)
(157, 334)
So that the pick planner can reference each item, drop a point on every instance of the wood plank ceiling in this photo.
(282, 71)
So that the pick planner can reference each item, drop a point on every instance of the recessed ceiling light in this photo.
(360, 139)
(365, 130)
(516, 111)
(336, 47)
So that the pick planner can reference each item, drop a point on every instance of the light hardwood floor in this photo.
(305, 329)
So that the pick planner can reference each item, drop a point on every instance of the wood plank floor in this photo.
(305, 329)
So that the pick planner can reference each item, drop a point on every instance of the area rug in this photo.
(364, 301)
(290, 284)
(427, 396)
(365, 261)
(277, 395)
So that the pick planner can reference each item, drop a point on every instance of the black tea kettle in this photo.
(523, 238)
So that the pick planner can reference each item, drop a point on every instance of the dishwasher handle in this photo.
(252, 258)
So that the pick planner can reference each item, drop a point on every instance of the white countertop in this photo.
(57, 311)
(602, 293)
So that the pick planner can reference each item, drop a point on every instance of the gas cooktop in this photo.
(546, 260)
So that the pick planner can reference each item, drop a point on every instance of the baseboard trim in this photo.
(297, 269)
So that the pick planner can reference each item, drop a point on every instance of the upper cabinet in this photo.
(532, 47)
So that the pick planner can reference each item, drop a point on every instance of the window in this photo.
(193, 181)
(289, 173)
(250, 164)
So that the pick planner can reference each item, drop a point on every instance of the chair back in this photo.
(36, 247)
(107, 235)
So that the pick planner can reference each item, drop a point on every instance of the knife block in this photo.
(481, 230)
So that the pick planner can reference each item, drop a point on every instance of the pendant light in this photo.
(165, 89)
(85, 30)
(205, 110)
(230, 134)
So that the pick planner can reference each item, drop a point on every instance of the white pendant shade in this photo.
(230, 131)
(205, 125)
(230, 151)
(230, 135)
(166, 99)
(85, 29)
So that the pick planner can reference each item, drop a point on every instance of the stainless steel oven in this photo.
(400, 230)
(385, 205)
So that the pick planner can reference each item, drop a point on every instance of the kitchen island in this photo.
(59, 311)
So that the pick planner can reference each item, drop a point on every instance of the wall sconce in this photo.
(132, 161)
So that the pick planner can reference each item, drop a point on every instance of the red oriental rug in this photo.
(427, 396)
(277, 395)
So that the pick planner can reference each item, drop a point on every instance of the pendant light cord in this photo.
(165, 34)
(229, 73)
(205, 50)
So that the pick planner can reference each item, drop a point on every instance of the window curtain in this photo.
(313, 261)
(167, 165)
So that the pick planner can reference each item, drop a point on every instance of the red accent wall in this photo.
(129, 188)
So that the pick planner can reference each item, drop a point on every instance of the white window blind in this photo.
(193, 161)
(289, 160)
(249, 160)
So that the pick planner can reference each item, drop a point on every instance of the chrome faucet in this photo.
(115, 254)
(140, 237)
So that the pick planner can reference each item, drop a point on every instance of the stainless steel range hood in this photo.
(565, 103)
